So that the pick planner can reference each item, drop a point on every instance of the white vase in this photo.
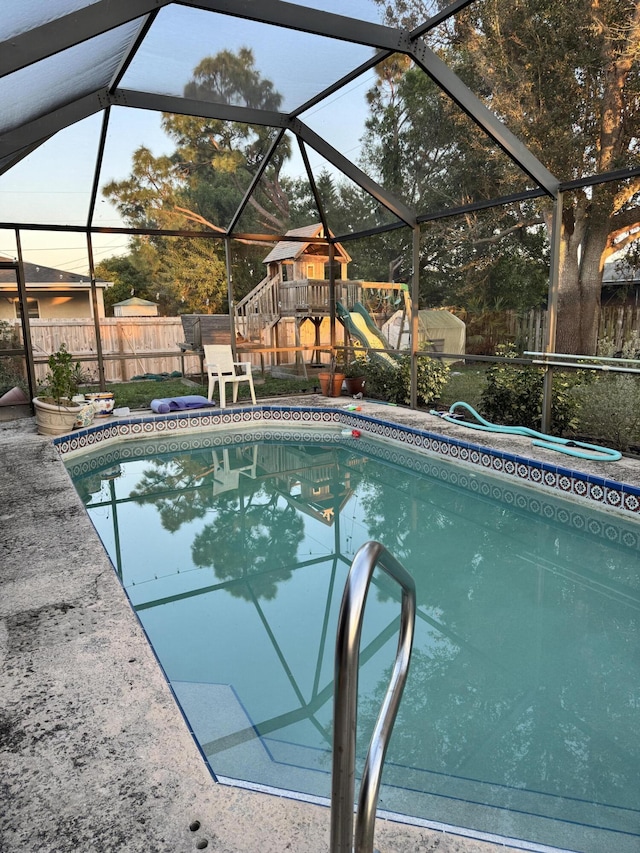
(52, 419)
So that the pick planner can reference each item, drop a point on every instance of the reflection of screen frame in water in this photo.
(598, 526)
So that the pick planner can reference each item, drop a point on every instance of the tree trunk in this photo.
(584, 243)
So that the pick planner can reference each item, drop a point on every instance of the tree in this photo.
(201, 184)
(427, 153)
(565, 77)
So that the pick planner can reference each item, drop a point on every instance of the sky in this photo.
(53, 184)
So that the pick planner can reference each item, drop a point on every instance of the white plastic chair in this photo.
(221, 368)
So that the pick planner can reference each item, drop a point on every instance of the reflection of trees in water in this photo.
(251, 531)
(521, 677)
(452, 722)
(250, 536)
(176, 487)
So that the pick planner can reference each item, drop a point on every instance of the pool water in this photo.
(521, 711)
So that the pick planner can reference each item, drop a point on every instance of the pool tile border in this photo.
(602, 491)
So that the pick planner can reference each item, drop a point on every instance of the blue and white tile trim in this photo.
(599, 490)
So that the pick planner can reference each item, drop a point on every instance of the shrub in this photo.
(12, 371)
(610, 404)
(513, 396)
(384, 382)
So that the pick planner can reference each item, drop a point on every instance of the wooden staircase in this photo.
(259, 310)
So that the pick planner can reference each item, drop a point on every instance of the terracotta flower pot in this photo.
(355, 384)
(331, 385)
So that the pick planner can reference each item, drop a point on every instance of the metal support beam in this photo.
(255, 181)
(24, 310)
(61, 33)
(96, 317)
(552, 308)
(415, 305)
(232, 315)
(453, 86)
(195, 107)
(306, 19)
(397, 207)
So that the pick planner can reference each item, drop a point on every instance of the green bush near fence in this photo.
(609, 405)
(513, 396)
(393, 384)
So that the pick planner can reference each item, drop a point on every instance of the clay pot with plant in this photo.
(55, 410)
(331, 380)
(354, 376)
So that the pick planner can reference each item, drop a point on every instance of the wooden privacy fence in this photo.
(617, 323)
(132, 346)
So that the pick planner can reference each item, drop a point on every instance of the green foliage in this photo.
(464, 383)
(384, 382)
(513, 396)
(63, 378)
(610, 403)
(200, 186)
(11, 367)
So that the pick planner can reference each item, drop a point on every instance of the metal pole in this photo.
(332, 294)
(26, 327)
(345, 704)
(232, 318)
(415, 304)
(552, 308)
(96, 318)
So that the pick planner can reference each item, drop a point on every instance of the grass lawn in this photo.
(465, 384)
(139, 394)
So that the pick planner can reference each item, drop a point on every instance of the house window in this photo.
(310, 270)
(33, 309)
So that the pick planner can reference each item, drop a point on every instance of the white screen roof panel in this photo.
(364, 10)
(20, 16)
(62, 78)
(298, 64)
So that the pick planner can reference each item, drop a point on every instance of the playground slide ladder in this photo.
(345, 710)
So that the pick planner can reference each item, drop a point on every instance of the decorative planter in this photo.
(85, 418)
(103, 403)
(331, 384)
(355, 384)
(52, 419)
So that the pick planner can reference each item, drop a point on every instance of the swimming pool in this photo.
(521, 708)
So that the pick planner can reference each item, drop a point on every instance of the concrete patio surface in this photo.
(94, 752)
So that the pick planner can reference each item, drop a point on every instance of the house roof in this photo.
(620, 272)
(36, 274)
(291, 250)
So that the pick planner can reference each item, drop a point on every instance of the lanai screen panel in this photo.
(365, 10)
(40, 88)
(299, 65)
(20, 17)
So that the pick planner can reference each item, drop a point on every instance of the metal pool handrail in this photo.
(345, 704)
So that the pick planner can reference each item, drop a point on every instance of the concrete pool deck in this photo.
(94, 752)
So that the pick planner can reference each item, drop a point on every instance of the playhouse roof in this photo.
(288, 250)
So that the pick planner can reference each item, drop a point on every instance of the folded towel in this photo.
(176, 404)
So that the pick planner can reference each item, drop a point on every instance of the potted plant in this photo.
(354, 373)
(331, 380)
(55, 410)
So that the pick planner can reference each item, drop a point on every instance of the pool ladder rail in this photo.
(345, 707)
